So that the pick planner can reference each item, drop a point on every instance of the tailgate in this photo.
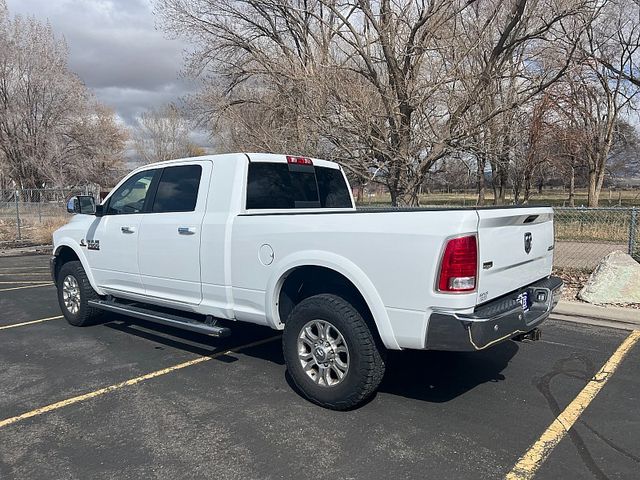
(515, 249)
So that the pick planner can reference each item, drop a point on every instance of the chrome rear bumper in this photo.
(493, 322)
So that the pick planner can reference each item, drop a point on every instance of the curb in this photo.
(612, 317)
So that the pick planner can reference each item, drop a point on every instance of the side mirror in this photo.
(83, 204)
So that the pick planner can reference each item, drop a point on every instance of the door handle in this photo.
(186, 230)
(127, 229)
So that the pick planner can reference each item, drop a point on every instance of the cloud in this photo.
(115, 48)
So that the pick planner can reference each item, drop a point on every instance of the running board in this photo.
(161, 318)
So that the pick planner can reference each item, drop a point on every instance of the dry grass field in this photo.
(555, 198)
(579, 225)
(32, 230)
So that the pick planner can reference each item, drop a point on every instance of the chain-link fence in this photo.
(583, 235)
(29, 216)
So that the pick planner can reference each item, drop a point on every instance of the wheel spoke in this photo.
(327, 331)
(306, 342)
(338, 362)
(311, 337)
(306, 356)
(325, 377)
(321, 329)
(339, 373)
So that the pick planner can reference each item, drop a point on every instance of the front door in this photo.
(112, 242)
(170, 234)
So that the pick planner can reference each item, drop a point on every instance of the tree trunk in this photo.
(394, 196)
(500, 193)
(481, 184)
(527, 189)
(572, 187)
(593, 193)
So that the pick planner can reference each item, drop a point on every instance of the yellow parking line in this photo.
(529, 463)
(14, 325)
(126, 383)
(27, 286)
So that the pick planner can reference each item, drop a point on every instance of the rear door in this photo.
(515, 249)
(170, 233)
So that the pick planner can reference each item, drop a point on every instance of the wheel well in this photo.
(304, 282)
(63, 255)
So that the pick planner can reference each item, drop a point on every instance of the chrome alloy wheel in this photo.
(71, 294)
(323, 353)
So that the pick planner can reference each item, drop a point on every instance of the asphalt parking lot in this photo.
(126, 399)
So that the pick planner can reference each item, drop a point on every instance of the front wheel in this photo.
(331, 353)
(74, 293)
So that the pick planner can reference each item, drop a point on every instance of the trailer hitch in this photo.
(531, 336)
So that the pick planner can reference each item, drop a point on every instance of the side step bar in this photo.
(161, 317)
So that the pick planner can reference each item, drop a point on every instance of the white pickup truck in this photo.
(276, 240)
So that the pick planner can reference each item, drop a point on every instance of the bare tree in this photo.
(51, 129)
(619, 39)
(593, 100)
(385, 86)
(163, 135)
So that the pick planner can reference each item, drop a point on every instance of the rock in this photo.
(616, 280)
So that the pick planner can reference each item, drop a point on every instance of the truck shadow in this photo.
(199, 344)
(437, 377)
(429, 376)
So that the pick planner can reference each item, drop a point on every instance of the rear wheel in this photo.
(74, 293)
(331, 353)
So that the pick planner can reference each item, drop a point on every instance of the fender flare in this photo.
(70, 243)
(341, 265)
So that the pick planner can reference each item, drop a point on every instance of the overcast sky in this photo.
(116, 50)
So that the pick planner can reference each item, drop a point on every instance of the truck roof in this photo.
(242, 157)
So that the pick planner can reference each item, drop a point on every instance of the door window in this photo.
(131, 195)
(178, 189)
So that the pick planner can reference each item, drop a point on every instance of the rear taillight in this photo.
(459, 266)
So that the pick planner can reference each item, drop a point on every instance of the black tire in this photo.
(85, 315)
(366, 358)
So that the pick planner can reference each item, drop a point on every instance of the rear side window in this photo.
(280, 185)
(332, 188)
(178, 189)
